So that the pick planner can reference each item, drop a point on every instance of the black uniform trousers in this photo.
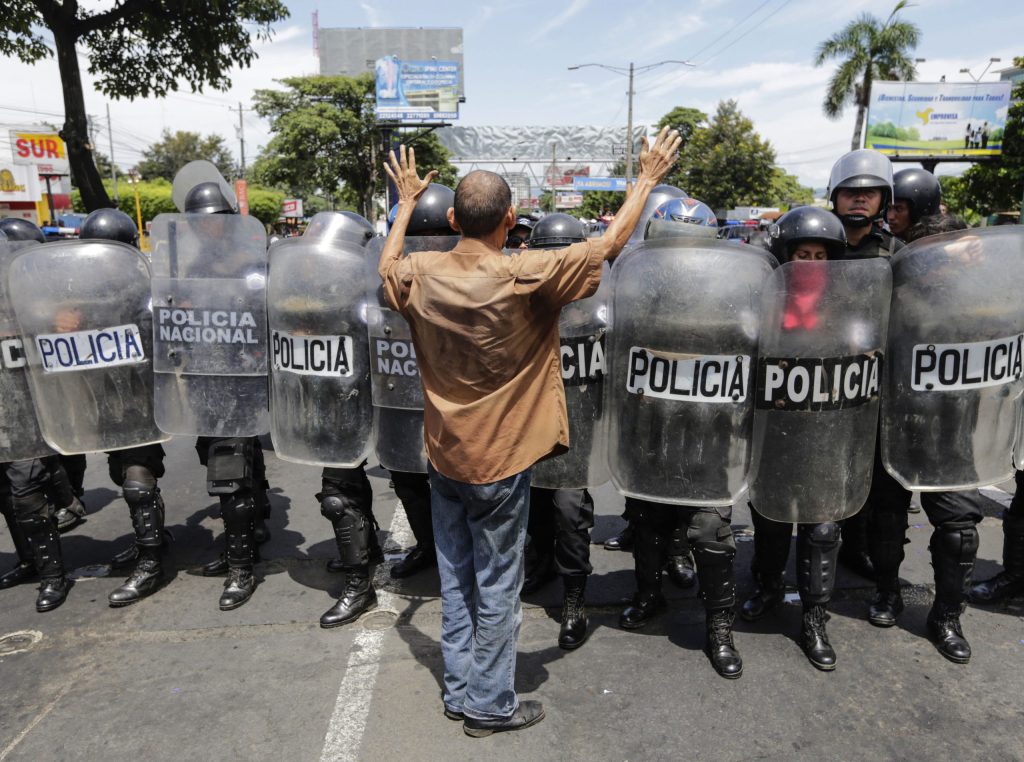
(560, 522)
(414, 492)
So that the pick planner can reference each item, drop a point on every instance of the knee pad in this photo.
(238, 511)
(825, 536)
(709, 529)
(147, 512)
(955, 540)
(714, 554)
(229, 466)
(332, 508)
(138, 494)
(354, 535)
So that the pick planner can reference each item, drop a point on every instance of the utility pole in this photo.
(554, 173)
(629, 129)
(113, 166)
(241, 140)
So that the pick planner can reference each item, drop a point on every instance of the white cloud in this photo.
(560, 20)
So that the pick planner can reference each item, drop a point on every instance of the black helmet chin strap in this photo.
(855, 220)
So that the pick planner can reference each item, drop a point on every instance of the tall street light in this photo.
(978, 78)
(630, 71)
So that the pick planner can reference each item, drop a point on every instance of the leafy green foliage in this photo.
(728, 164)
(169, 154)
(890, 130)
(787, 192)
(326, 140)
(688, 121)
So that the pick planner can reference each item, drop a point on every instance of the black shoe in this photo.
(574, 630)
(944, 630)
(857, 561)
(526, 714)
(143, 581)
(540, 573)
(680, 571)
(885, 607)
(451, 714)
(622, 541)
(126, 558)
(52, 593)
(814, 639)
(70, 517)
(358, 598)
(416, 560)
(720, 648)
(20, 572)
(1003, 585)
(216, 568)
(771, 591)
(643, 609)
(238, 588)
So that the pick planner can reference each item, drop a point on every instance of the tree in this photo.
(136, 49)
(727, 163)
(687, 121)
(165, 157)
(786, 190)
(868, 50)
(997, 185)
(325, 139)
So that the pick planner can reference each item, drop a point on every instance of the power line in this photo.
(734, 41)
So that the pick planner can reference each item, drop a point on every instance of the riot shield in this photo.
(817, 390)
(20, 438)
(954, 364)
(396, 388)
(195, 172)
(210, 325)
(582, 329)
(685, 325)
(83, 308)
(320, 413)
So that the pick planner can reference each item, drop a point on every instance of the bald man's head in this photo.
(482, 199)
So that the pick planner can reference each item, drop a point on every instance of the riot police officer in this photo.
(803, 234)
(708, 529)
(1010, 581)
(916, 194)
(135, 469)
(236, 472)
(519, 236)
(860, 187)
(560, 520)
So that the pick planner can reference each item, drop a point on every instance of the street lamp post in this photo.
(978, 78)
(134, 178)
(629, 72)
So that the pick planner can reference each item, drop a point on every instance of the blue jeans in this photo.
(479, 532)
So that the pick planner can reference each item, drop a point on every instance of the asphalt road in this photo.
(174, 678)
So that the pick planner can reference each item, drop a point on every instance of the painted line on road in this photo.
(38, 718)
(352, 707)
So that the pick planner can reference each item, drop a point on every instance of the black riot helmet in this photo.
(920, 189)
(207, 198)
(555, 231)
(338, 227)
(110, 225)
(17, 229)
(807, 223)
(863, 168)
(430, 217)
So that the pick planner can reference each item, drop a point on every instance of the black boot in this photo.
(126, 558)
(953, 547)
(814, 638)
(41, 532)
(144, 580)
(650, 554)
(1010, 581)
(770, 592)
(681, 572)
(573, 632)
(239, 514)
(146, 508)
(887, 603)
(218, 567)
(622, 541)
(24, 570)
(539, 573)
(719, 647)
(417, 559)
(238, 588)
(70, 516)
(358, 598)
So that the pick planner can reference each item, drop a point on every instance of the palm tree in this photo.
(868, 50)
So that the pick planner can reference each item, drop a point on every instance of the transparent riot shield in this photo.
(395, 379)
(195, 172)
(320, 412)
(1018, 448)
(954, 365)
(20, 438)
(681, 354)
(817, 388)
(582, 329)
(210, 325)
(83, 308)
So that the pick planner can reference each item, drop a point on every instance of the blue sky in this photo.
(517, 56)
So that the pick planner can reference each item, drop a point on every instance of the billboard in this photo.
(18, 183)
(937, 119)
(599, 183)
(44, 149)
(416, 91)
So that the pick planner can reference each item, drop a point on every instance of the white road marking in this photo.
(37, 719)
(352, 707)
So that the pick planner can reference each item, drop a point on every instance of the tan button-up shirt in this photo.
(485, 328)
